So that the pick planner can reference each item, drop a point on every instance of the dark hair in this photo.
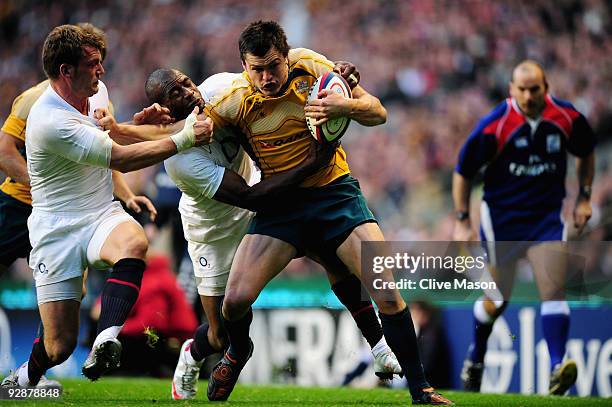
(260, 36)
(64, 45)
(97, 35)
(154, 86)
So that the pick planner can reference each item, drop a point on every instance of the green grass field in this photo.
(137, 392)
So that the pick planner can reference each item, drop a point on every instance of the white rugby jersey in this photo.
(198, 173)
(68, 156)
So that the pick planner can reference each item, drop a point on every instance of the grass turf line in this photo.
(118, 392)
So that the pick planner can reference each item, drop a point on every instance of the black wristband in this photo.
(585, 191)
(462, 215)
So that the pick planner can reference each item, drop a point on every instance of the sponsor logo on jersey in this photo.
(521, 142)
(553, 143)
(301, 86)
(42, 268)
(532, 170)
(280, 142)
(203, 262)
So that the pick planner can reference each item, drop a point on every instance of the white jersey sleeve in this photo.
(194, 173)
(79, 143)
(215, 84)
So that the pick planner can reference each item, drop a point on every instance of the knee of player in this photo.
(137, 246)
(237, 301)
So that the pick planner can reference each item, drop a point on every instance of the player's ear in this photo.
(66, 70)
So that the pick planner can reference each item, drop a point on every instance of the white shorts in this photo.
(212, 261)
(63, 245)
(71, 289)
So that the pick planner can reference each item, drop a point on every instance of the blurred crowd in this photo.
(437, 66)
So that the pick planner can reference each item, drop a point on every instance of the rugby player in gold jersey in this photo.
(328, 216)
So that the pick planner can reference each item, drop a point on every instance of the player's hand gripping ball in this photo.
(332, 129)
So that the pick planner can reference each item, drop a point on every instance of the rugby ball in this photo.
(333, 129)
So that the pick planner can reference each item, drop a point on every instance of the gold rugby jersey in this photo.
(276, 136)
(15, 126)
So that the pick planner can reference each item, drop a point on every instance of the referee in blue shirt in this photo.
(523, 145)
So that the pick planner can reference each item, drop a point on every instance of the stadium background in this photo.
(436, 65)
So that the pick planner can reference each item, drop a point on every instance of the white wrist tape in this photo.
(185, 139)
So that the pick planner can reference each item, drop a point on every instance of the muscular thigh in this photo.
(350, 250)
(259, 258)
(116, 237)
(387, 300)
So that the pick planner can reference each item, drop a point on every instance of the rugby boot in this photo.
(471, 375)
(186, 374)
(103, 358)
(432, 398)
(225, 375)
(386, 364)
(562, 378)
(12, 380)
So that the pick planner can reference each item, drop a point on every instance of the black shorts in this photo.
(14, 239)
(316, 219)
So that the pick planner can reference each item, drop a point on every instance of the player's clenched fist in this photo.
(197, 130)
(203, 130)
(105, 119)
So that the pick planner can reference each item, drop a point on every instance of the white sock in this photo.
(108, 333)
(22, 375)
(481, 314)
(381, 346)
(554, 307)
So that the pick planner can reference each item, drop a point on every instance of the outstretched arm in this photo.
(126, 133)
(196, 131)
(235, 191)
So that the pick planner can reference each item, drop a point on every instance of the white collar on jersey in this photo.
(533, 123)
